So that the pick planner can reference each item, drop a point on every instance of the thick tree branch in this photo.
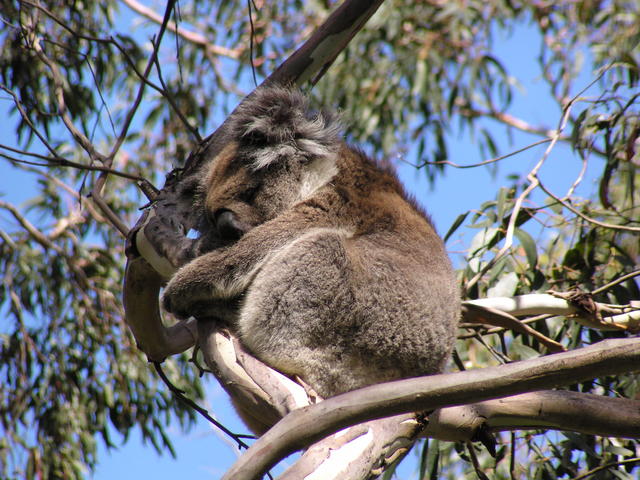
(154, 339)
(357, 452)
(263, 396)
(550, 409)
(309, 424)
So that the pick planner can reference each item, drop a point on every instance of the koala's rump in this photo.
(343, 312)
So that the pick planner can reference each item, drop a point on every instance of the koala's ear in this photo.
(277, 123)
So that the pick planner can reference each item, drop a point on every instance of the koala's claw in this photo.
(169, 239)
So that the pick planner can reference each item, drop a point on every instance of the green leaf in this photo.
(456, 224)
(529, 246)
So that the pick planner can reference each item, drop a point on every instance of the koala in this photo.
(314, 255)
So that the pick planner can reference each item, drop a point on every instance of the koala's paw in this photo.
(184, 298)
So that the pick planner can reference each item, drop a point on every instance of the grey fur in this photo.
(276, 123)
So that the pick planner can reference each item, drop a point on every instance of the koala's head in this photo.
(280, 153)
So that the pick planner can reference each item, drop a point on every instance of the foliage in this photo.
(420, 71)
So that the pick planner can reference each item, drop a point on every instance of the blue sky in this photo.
(205, 454)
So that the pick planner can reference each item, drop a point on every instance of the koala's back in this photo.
(363, 295)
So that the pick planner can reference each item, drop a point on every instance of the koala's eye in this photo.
(227, 225)
(249, 194)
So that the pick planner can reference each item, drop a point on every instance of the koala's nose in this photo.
(227, 225)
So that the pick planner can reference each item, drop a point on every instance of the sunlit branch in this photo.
(534, 182)
(307, 425)
(192, 37)
(600, 315)
(579, 178)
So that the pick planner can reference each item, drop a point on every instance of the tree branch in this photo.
(57, 161)
(309, 424)
(532, 177)
(604, 317)
(550, 409)
(190, 36)
(475, 313)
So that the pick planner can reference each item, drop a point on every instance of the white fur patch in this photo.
(263, 157)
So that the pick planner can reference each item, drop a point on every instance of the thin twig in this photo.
(96, 193)
(495, 330)
(27, 120)
(58, 85)
(591, 220)
(474, 461)
(136, 103)
(534, 182)
(605, 466)
(36, 234)
(507, 119)
(617, 281)
(202, 411)
(484, 162)
(251, 37)
(167, 94)
(56, 161)
(579, 178)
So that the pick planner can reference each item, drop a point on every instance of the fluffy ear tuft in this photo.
(276, 123)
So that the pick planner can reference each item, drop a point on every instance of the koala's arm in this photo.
(226, 272)
(169, 237)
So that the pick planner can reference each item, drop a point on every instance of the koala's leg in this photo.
(296, 313)
(343, 313)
